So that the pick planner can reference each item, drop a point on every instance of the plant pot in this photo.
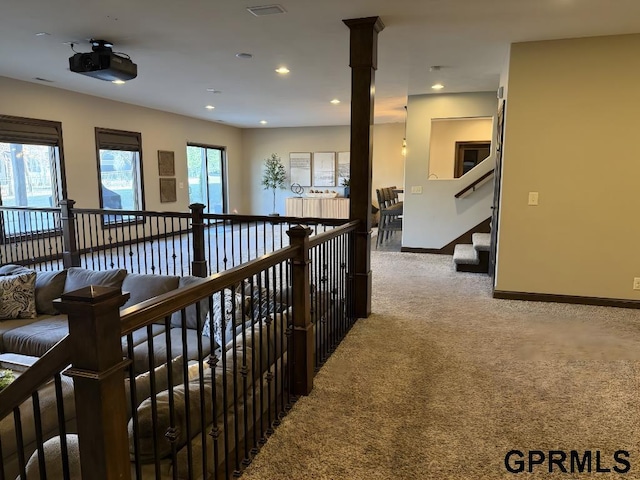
(347, 191)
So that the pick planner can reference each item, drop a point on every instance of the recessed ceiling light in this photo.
(209, 107)
(244, 55)
(282, 70)
(42, 34)
(263, 122)
(118, 82)
(335, 101)
(437, 86)
(213, 90)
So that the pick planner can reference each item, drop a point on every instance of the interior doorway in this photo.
(468, 155)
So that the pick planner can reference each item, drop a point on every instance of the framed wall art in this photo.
(300, 168)
(324, 169)
(166, 163)
(168, 190)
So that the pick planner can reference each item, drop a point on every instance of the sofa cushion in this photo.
(141, 352)
(11, 268)
(161, 380)
(49, 286)
(140, 336)
(8, 325)
(264, 343)
(17, 295)
(36, 338)
(148, 436)
(143, 287)
(192, 319)
(78, 277)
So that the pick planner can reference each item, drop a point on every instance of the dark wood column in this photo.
(363, 59)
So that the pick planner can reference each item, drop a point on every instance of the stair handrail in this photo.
(472, 186)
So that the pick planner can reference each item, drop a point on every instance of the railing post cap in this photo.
(197, 206)
(299, 231)
(92, 294)
(67, 201)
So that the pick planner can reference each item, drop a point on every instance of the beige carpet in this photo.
(442, 381)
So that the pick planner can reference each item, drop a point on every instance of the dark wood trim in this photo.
(458, 169)
(573, 299)
(472, 186)
(331, 234)
(482, 227)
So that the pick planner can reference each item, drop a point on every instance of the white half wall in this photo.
(259, 143)
(80, 114)
(434, 217)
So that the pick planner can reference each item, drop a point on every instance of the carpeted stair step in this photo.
(481, 241)
(465, 254)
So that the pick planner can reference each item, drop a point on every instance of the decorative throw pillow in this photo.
(49, 286)
(228, 312)
(17, 295)
(78, 277)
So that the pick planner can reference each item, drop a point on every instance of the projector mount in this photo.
(101, 45)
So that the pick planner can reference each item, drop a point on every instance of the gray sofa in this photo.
(38, 326)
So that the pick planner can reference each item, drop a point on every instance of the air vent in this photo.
(266, 10)
(40, 79)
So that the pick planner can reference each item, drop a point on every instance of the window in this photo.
(31, 171)
(119, 156)
(207, 178)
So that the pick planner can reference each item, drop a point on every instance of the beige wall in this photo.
(444, 135)
(259, 143)
(79, 115)
(571, 124)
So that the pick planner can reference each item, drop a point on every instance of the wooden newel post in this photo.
(70, 252)
(302, 342)
(199, 263)
(98, 379)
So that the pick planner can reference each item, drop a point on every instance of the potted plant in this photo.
(346, 183)
(274, 176)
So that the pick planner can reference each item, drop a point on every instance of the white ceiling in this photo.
(184, 47)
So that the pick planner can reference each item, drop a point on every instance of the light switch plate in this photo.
(533, 198)
(417, 189)
(636, 283)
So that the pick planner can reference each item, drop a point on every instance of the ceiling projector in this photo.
(103, 64)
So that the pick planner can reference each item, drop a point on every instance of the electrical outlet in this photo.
(533, 198)
(417, 189)
(636, 283)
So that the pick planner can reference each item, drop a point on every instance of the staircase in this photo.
(475, 257)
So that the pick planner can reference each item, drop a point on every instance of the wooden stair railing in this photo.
(472, 186)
